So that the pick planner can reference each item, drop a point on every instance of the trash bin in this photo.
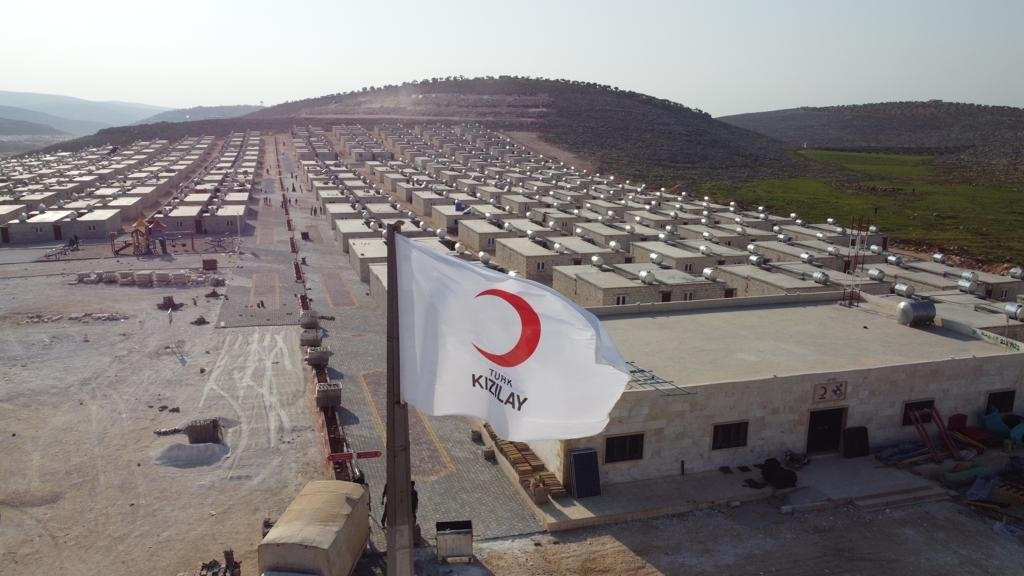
(455, 540)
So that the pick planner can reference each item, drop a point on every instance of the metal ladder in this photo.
(918, 420)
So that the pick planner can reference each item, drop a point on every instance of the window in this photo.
(1003, 293)
(540, 266)
(688, 268)
(490, 242)
(622, 448)
(917, 405)
(620, 299)
(231, 223)
(687, 296)
(179, 224)
(1002, 401)
(732, 435)
(91, 227)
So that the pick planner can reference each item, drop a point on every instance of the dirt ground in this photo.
(755, 539)
(533, 142)
(85, 485)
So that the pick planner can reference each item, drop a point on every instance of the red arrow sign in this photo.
(345, 456)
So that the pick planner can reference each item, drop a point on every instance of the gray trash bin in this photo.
(455, 540)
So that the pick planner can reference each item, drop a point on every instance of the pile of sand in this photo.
(191, 455)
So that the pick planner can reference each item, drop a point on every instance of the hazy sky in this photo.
(723, 57)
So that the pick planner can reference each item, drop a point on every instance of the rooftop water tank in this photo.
(820, 277)
(894, 259)
(1017, 272)
(915, 312)
(807, 258)
(965, 285)
(710, 274)
(904, 290)
(756, 260)
(876, 275)
(1014, 311)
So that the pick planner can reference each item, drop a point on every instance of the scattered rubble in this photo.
(147, 278)
(77, 317)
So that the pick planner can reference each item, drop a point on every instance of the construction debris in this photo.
(168, 303)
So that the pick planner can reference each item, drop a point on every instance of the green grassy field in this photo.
(885, 165)
(916, 206)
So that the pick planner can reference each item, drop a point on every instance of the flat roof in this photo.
(791, 249)
(734, 344)
(50, 216)
(124, 201)
(99, 215)
(525, 247)
(777, 279)
(368, 247)
(578, 245)
(940, 269)
(667, 276)
(185, 212)
(716, 249)
(674, 252)
(349, 225)
(479, 225)
(230, 210)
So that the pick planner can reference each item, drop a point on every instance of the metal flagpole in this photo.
(399, 469)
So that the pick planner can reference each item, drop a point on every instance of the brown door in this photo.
(57, 233)
(666, 296)
(825, 430)
(199, 226)
(5, 235)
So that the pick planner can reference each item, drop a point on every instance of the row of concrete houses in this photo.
(93, 193)
(748, 333)
(193, 186)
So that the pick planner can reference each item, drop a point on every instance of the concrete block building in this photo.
(750, 383)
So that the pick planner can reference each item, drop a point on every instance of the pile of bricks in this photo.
(526, 463)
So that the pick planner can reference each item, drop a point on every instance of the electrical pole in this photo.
(401, 525)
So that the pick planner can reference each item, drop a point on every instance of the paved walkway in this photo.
(827, 481)
(453, 480)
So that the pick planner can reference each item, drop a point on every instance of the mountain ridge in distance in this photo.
(108, 113)
(196, 113)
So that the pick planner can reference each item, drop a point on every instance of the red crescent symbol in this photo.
(529, 337)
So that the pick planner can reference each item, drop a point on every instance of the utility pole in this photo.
(399, 468)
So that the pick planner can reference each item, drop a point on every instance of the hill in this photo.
(78, 109)
(9, 127)
(200, 113)
(980, 140)
(69, 125)
(629, 134)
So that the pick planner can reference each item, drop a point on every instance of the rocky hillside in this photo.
(627, 133)
(969, 137)
(200, 113)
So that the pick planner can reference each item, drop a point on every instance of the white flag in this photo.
(476, 342)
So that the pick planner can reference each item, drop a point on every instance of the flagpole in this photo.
(399, 469)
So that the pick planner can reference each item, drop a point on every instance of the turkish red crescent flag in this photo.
(476, 342)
